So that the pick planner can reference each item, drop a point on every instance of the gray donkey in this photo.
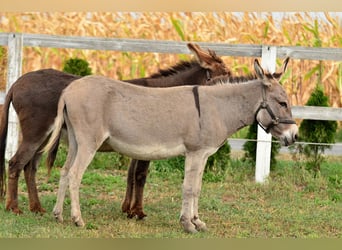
(158, 123)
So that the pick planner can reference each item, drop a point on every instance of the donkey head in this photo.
(209, 61)
(274, 112)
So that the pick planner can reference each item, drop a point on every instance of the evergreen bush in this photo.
(318, 132)
(77, 66)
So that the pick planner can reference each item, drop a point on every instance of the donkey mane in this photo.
(232, 79)
(181, 66)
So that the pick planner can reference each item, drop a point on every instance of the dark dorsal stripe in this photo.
(196, 97)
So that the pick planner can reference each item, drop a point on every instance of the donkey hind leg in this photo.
(64, 181)
(82, 160)
(16, 164)
(140, 175)
(126, 204)
(194, 167)
(30, 178)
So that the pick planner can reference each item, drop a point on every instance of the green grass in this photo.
(293, 204)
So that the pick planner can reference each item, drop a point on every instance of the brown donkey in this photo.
(158, 123)
(35, 96)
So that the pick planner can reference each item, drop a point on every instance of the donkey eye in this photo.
(283, 104)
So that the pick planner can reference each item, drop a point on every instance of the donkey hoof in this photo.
(16, 211)
(130, 215)
(78, 222)
(188, 226)
(13, 207)
(37, 210)
(190, 229)
(58, 217)
(200, 225)
(140, 215)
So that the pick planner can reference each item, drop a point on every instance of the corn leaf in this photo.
(178, 25)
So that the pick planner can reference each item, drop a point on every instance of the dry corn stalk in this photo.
(249, 28)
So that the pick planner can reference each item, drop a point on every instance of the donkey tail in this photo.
(57, 127)
(3, 140)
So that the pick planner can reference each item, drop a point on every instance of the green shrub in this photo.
(317, 132)
(217, 164)
(171, 165)
(77, 66)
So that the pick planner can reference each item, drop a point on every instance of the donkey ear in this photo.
(205, 59)
(286, 61)
(195, 50)
(258, 69)
(277, 75)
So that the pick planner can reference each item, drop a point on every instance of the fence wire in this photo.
(296, 143)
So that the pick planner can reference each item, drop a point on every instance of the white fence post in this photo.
(264, 140)
(15, 51)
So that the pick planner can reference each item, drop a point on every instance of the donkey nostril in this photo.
(295, 137)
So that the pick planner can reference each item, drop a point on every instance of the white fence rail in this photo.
(16, 41)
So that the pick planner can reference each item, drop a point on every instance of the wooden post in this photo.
(15, 51)
(264, 140)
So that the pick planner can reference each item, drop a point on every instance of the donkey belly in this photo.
(148, 151)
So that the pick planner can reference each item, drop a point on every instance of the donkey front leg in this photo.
(126, 204)
(200, 225)
(140, 175)
(194, 167)
(133, 202)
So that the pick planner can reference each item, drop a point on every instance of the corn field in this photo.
(248, 28)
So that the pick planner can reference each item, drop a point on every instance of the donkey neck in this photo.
(237, 103)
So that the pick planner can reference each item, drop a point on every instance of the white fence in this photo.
(16, 41)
